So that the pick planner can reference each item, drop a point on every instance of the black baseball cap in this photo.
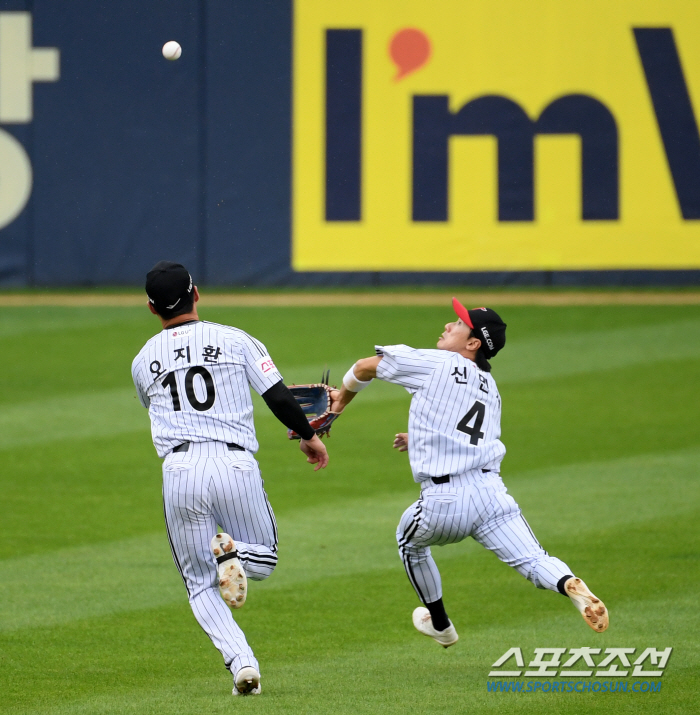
(168, 287)
(490, 329)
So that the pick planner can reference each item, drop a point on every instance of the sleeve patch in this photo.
(265, 365)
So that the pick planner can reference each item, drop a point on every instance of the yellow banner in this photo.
(462, 135)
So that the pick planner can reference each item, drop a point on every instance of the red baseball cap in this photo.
(487, 324)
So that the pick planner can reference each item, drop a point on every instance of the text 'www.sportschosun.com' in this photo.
(572, 686)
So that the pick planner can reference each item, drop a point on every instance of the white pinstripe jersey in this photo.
(454, 423)
(194, 379)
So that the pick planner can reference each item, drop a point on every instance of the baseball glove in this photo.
(316, 402)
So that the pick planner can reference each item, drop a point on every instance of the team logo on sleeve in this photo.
(265, 365)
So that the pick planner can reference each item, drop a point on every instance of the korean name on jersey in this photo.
(194, 378)
(454, 423)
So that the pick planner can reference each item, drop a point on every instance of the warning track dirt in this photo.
(399, 298)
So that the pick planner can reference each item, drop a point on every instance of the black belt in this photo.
(231, 445)
(446, 478)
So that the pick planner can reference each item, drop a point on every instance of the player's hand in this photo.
(336, 405)
(401, 441)
(315, 451)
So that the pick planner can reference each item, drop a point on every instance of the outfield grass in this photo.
(600, 422)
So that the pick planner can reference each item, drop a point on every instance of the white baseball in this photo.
(172, 50)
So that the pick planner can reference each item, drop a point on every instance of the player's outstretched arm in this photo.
(287, 410)
(356, 379)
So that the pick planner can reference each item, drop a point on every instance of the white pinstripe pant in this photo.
(203, 487)
(474, 504)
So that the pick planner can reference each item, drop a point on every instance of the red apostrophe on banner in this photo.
(409, 49)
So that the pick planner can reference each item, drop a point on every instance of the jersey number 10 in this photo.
(170, 382)
(477, 412)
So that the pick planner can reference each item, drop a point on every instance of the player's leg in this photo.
(501, 528)
(440, 516)
(190, 524)
(242, 510)
(421, 569)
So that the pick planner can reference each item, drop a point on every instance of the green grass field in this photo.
(600, 420)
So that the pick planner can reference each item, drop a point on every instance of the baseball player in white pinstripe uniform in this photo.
(194, 378)
(455, 451)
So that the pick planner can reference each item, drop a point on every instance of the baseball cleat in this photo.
(247, 682)
(424, 623)
(233, 584)
(591, 608)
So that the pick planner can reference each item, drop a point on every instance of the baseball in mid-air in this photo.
(172, 50)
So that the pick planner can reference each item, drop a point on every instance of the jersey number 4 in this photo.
(170, 382)
(477, 412)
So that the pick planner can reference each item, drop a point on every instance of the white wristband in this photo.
(351, 383)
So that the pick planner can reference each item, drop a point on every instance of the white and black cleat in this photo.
(247, 682)
(590, 607)
(424, 624)
(233, 584)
